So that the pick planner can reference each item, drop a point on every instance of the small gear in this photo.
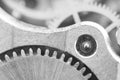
(77, 7)
(42, 62)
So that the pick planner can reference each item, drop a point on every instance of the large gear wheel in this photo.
(42, 62)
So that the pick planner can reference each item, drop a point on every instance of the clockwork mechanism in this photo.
(43, 62)
(59, 40)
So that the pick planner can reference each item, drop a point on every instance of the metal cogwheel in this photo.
(42, 62)
(77, 39)
(19, 8)
(78, 42)
(72, 9)
(77, 7)
(17, 14)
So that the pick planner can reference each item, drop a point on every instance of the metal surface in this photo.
(104, 61)
(42, 62)
(66, 41)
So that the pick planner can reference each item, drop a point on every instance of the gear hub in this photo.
(86, 45)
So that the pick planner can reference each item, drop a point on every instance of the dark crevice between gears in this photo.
(114, 43)
(87, 16)
(51, 50)
(95, 17)
(31, 3)
(67, 22)
(5, 7)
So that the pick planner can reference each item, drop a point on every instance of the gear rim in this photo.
(92, 7)
(29, 49)
(28, 27)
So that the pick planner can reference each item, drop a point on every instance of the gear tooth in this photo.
(118, 16)
(38, 51)
(99, 5)
(62, 57)
(69, 61)
(52, 21)
(76, 64)
(83, 70)
(104, 6)
(14, 54)
(115, 13)
(90, 2)
(88, 75)
(1, 62)
(112, 11)
(55, 54)
(23, 53)
(108, 8)
(7, 58)
(95, 3)
(56, 18)
(47, 52)
(30, 51)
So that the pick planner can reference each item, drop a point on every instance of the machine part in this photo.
(108, 17)
(71, 13)
(79, 7)
(73, 9)
(86, 45)
(20, 6)
(45, 10)
(118, 36)
(104, 53)
(66, 41)
(42, 62)
(118, 76)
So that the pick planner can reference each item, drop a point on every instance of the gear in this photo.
(22, 9)
(69, 40)
(73, 8)
(42, 62)
(89, 7)
(47, 10)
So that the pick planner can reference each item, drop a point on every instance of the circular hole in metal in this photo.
(86, 45)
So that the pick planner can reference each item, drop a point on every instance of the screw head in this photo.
(86, 45)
